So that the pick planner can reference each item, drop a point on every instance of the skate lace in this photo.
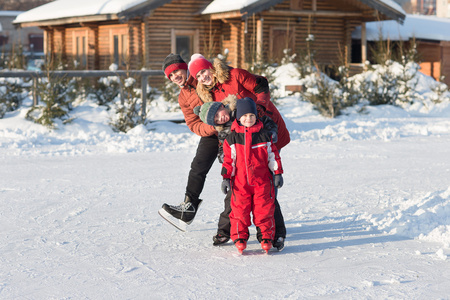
(184, 206)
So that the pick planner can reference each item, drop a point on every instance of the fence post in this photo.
(143, 97)
(34, 92)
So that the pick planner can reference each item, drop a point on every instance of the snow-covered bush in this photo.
(323, 93)
(392, 83)
(170, 91)
(441, 92)
(128, 111)
(11, 94)
(55, 102)
(267, 70)
(105, 90)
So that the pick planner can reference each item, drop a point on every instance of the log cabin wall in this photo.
(180, 18)
(135, 57)
(234, 40)
(445, 65)
(434, 59)
(79, 47)
(108, 35)
(289, 23)
(57, 44)
(430, 58)
(54, 44)
(69, 43)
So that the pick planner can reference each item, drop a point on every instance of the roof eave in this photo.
(378, 5)
(141, 10)
(386, 10)
(71, 20)
(258, 7)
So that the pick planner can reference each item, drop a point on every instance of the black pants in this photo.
(207, 150)
(201, 164)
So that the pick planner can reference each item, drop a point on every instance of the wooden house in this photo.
(141, 33)
(431, 35)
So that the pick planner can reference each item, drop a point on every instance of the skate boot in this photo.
(240, 244)
(180, 215)
(279, 243)
(266, 244)
(220, 239)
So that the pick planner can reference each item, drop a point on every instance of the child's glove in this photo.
(274, 137)
(278, 181)
(226, 186)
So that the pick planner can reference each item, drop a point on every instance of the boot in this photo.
(266, 244)
(240, 244)
(279, 243)
(220, 239)
(181, 215)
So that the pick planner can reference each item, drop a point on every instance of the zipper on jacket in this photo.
(245, 155)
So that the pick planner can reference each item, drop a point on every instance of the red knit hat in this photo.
(198, 63)
(172, 63)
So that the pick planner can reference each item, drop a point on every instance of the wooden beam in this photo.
(363, 43)
(259, 38)
(318, 13)
(227, 15)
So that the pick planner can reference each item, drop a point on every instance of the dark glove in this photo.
(261, 110)
(226, 186)
(278, 181)
(274, 137)
(222, 135)
(262, 85)
(220, 154)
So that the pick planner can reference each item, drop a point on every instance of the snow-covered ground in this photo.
(366, 202)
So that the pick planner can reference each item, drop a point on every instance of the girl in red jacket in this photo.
(250, 157)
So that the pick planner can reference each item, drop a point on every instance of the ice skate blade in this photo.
(180, 225)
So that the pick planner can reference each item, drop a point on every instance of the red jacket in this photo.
(242, 83)
(188, 99)
(249, 155)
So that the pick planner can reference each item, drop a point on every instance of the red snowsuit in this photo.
(249, 158)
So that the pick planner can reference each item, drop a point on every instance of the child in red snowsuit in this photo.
(250, 157)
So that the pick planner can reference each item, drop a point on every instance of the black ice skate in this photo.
(279, 243)
(180, 215)
(219, 239)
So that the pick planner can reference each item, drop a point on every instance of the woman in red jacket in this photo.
(250, 157)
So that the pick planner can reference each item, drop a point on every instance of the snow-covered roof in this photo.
(388, 7)
(414, 26)
(219, 6)
(61, 9)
